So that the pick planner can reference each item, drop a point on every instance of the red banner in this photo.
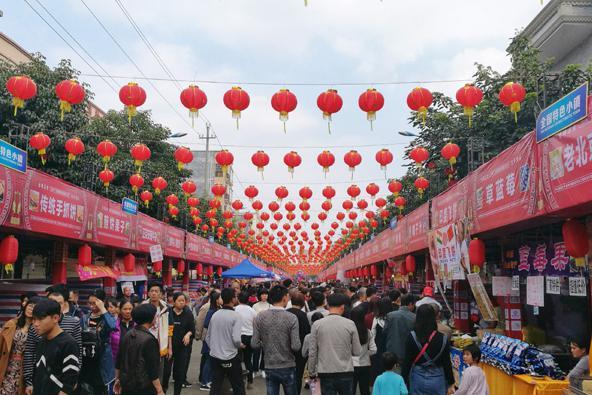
(451, 205)
(112, 226)
(174, 242)
(417, 226)
(504, 190)
(148, 232)
(52, 206)
(91, 272)
(566, 166)
(192, 247)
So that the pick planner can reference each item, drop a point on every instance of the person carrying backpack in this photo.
(96, 349)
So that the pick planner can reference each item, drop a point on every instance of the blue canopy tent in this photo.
(246, 269)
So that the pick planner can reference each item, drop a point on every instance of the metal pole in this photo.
(207, 138)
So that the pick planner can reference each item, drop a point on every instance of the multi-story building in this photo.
(13, 53)
(215, 175)
(562, 31)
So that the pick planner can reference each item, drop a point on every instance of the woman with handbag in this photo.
(427, 369)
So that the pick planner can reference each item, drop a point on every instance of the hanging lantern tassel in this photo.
(193, 113)
(260, 169)
(236, 115)
(291, 171)
(422, 114)
(306, 3)
(131, 112)
(64, 107)
(284, 118)
(327, 117)
(351, 170)
(515, 107)
(43, 156)
(138, 164)
(420, 191)
(371, 117)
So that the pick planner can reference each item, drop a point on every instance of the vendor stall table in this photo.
(501, 383)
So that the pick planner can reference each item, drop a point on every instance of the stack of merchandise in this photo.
(517, 357)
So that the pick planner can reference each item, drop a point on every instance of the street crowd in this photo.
(319, 339)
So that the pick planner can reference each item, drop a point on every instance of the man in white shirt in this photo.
(247, 314)
(428, 298)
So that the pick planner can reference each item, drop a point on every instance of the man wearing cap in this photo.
(428, 298)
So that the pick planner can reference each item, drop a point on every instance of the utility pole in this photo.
(207, 138)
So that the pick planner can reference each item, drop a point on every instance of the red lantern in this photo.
(347, 205)
(419, 99)
(75, 147)
(384, 157)
(140, 153)
(181, 267)
(70, 92)
(40, 141)
(353, 191)
(136, 181)
(257, 205)
(188, 188)
(21, 88)
(84, 255)
(511, 95)
(146, 197)
(129, 263)
(419, 155)
(326, 205)
(183, 156)
(106, 176)
(477, 253)
(400, 202)
(329, 103)
(199, 269)
(304, 206)
(290, 207)
(193, 99)
(469, 96)
(219, 271)
(371, 102)
(421, 184)
(395, 187)
(9, 247)
(281, 193)
(132, 96)
(236, 100)
(352, 159)
(450, 152)
(237, 205)
(251, 192)
(322, 216)
(218, 190)
(172, 200)
(305, 193)
(260, 159)
(329, 192)
(575, 237)
(107, 150)
(174, 211)
(362, 204)
(410, 264)
(326, 159)
(159, 184)
(284, 102)
(372, 189)
(193, 202)
(292, 160)
(224, 159)
(380, 202)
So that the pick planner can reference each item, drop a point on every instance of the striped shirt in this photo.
(70, 325)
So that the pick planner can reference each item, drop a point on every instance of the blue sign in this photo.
(393, 223)
(129, 206)
(560, 115)
(13, 157)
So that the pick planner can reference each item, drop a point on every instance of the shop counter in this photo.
(501, 383)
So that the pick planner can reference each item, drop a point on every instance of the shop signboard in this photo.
(174, 242)
(55, 207)
(565, 112)
(129, 206)
(504, 190)
(112, 226)
(451, 205)
(398, 241)
(417, 225)
(13, 157)
(148, 233)
(192, 244)
(566, 167)
(9, 188)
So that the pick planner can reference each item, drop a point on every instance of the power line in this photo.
(271, 83)
(133, 62)
(68, 44)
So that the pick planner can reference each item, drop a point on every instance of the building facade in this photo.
(214, 175)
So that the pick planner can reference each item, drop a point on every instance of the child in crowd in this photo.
(389, 383)
(473, 379)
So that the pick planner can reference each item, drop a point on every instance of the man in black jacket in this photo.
(303, 330)
(138, 361)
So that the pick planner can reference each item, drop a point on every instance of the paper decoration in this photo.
(553, 285)
(535, 291)
(577, 286)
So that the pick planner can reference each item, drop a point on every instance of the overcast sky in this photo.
(329, 42)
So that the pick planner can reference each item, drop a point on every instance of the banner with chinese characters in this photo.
(544, 257)
(504, 190)
(92, 271)
(112, 226)
(566, 167)
(148, 232)
(174, 242)
(451, 205)
(192, 247)
(417, 227)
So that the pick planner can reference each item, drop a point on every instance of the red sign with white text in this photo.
(192, 247)
(148, 232)
(418, 224)
(504, 190)
(112, 226)
(174, 242)
(451, 205)
(566, 166)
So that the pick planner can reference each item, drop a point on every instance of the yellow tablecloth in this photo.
(502, 384)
